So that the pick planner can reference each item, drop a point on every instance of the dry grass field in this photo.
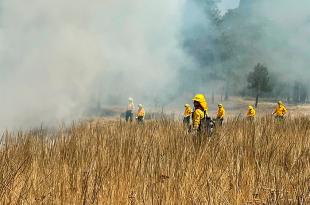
(265, 162)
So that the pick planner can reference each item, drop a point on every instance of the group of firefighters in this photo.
(200, 112)
(129, 115)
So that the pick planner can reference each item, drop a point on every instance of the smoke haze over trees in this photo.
(273, 32)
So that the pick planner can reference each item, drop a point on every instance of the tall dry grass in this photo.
(265, 162)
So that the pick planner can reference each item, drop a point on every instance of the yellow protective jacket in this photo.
(188, 112)
(280, 111)
(141, 112)
(206, 106)
(221, 113)
(251, 112)
(198, 116)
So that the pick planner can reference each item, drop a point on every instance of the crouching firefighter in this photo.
(251, 113)
(280, 111)
(140, 114)
(200, 115)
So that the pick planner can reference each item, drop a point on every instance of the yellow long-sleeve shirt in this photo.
(197, 117)
(251, 112)
(141, 112)
(221, 113)
(280, 111)
(188, 112)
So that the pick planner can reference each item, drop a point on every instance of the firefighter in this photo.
(280, 111)
(130, 110)
(251, 114)
(220, 114)
(187, 115)
(200, 114)
(140, 114)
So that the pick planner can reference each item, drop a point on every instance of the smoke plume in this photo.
(57, 58)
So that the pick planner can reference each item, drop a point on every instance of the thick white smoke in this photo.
(57, 55)
(286, 40)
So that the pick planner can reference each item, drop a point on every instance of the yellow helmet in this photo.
(280, 103)
(220, 105)
(202, 100)
(251, 107)
(186, 105)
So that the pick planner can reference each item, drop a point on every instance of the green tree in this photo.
(259, 81)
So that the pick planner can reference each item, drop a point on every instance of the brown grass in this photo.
(116, 163)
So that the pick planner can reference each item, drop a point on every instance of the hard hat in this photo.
(201, 99)
(251, 107)
(186, 105)
(220, 105)
(140, 105)
(280, 103)
(130, 99)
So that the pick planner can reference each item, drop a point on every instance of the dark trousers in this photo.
(220, 121)
(129, 116)
(140, 119)
(279, 118)
(187, 120)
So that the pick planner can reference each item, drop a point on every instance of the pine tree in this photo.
(259, 81)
